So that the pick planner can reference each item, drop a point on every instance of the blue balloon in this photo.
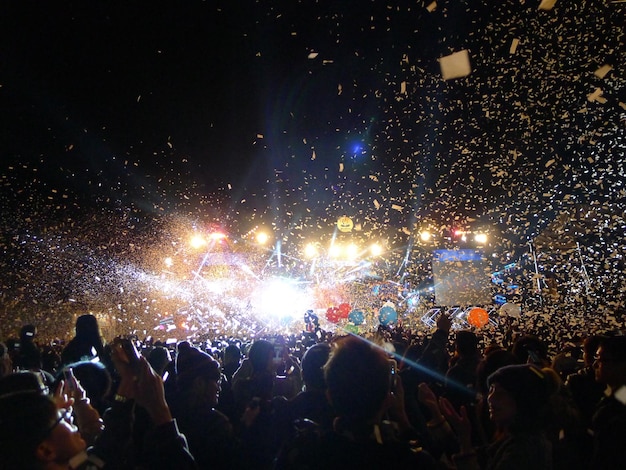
(356, 316)
(387, 316)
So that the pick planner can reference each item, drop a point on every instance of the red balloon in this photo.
(344, 310)
(332, 314)
(478, 317)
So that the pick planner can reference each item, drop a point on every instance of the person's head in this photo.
(466, 343)
(358, 380)
(27, 333)
(261, 355)
(23, 381)
(313, 366)
(87, 328)
(532, 350)
(610, 362)
(232, 354)
(159, 358)
(590, 347)
(491, 362)
(197, 374)
(518, 397)
(33, 432)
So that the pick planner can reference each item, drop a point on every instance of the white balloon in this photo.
(511, 310)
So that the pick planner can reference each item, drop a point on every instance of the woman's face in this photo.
(502, 407)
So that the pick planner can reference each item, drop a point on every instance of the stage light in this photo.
(310, 250)
(425, 236)
(334, 251)
(376, 249)
(262, 238)
(352, 251)
(217, 236)
(197, 241)
(481, 238)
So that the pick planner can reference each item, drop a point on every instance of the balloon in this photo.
(344, 310)
(357, 317)
(332, 314)
(510, 310)
(478, 317)
(387, 316)
(351, 329)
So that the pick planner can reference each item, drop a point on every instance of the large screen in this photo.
(461, 278)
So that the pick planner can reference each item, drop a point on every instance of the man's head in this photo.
(313, 363)
(610, 361)
(33, 432)
(357, 377)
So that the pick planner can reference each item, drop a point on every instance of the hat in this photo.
(192, 363)
(527, 384)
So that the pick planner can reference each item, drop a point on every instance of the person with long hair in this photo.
(87, 343)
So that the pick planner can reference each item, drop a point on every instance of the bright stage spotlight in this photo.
(376, 249)
(310, 250)
(217, 236)
(334, 251)
(197, 241)
(481, 238)
(425, 236)
(352, 251)
(262, 238)
(280, 298)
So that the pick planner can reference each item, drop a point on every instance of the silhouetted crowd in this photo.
(387, 399)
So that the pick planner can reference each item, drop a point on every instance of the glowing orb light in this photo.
(310, 250)
(197, 241)
(425, 236)
(262, 238)
(352, 251)
(376, 249)
(481, 238)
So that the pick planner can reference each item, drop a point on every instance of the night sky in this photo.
(116, 116)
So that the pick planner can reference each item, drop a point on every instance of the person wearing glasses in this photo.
(39, 431)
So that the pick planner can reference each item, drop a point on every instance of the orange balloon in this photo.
(478, 317)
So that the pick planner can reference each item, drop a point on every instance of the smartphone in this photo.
(127, 351)
(68, 377)
(393, 374)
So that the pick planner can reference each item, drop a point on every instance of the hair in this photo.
(87, 328)
(492, 361)
(159, 358)
(27, 333)
(22, 381)
(590, 346)
(615, 346)
(25, 420)
(357, 376)
(530, 344)
(531, 389)
(260, 355)
(232, 353)
(313, 366)
(466, 343)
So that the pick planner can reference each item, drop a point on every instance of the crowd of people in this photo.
(387, 399)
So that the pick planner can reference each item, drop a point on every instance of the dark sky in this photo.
(299, 112)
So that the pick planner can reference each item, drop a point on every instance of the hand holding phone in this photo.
(126, 351)
(70, 379)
